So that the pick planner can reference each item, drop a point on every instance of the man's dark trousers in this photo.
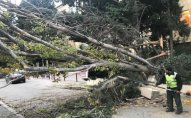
(173, 95)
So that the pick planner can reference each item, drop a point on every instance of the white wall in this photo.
(186, 4)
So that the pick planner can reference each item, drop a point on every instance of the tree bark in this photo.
(67, 31)
(94, 41)
(34, 38)
(3, 46)
(157, 56)
(11, 38)
(137, 68)
(111, 83)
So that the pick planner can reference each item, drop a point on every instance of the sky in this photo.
(17, 2)
(66, 8)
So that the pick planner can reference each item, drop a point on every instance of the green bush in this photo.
(182, 65)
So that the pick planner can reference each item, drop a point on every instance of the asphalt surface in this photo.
(4, 113)
(7, 112)
(151, 112)
(16, 94)
(33, 94)
(23, 91)
(33, 88)
(156, 112)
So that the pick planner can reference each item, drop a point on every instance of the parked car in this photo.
(2, 75)
(18, 77)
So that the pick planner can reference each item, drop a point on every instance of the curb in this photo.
(11, 110)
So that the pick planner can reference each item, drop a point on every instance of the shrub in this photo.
(182, 65)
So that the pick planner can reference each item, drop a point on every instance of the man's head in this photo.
(169, 70)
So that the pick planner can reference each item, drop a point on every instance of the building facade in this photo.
(186, 11)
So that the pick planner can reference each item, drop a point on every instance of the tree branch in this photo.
(111, 83)
(157, 56)
(94, 41)
(87, 67)
(11, 38)
(67, 30)
(26, 53)
(34, 38)
(3, 46)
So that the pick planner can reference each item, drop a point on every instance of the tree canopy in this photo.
(112, 29)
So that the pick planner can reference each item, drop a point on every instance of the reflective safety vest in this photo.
(171, 81)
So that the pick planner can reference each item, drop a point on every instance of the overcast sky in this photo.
(17, 2)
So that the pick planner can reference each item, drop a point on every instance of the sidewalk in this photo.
(150, 112)
(7, 112)
(154, 110)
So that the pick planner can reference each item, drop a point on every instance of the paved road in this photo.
(151, 112)
(7, 112)
(156, 112)
(35, 93)
(4, 113)
(33, 88)
(24, 91)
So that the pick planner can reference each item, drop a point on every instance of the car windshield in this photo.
(15, 74)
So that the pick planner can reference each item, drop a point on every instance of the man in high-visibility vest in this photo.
(174, 86)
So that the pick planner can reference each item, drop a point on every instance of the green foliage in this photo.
(86, 110)
(2, 25)
(11, 67)
(182, 65)
(52, 71)
(45, 51)
(116, 94)
(66, 115)
(161, 16)
(130, 91)
(14, 47)
(103, 54)
(39, 28)
(104, 71)
(8, 64)
(73, 108)
(126, 19)
(117, 23)
(5, 70)
(5, 58)
(6, 15)
(72, 64)
(181, 48)
(126, 12)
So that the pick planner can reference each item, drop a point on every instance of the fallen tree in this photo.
(66, 30)
(47, 36)
(113, 37)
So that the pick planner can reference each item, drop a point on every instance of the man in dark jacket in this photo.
(174, 86)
